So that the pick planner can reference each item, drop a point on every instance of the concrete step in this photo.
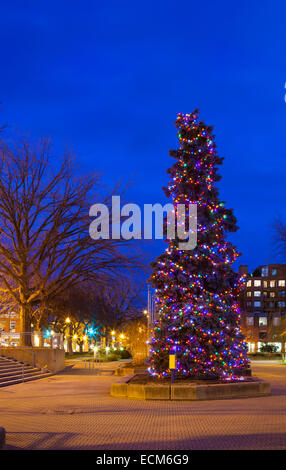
(5, 372)
(18, 375)
(26, 379)
(19, 366)
(9, 365)
(11, 372)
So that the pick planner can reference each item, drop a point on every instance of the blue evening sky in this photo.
(109, 77)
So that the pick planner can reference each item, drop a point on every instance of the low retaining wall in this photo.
(121, 371)
(254, 388)
(51, 359)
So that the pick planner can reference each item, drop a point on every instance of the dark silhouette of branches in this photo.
(280, 238)
(45, 247)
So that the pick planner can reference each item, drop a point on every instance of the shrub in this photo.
(268, 348)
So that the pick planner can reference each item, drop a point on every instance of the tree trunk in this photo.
(38, 331)
(41, 339)
(104, 338)
(25, 326)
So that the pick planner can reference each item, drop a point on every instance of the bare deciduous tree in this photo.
(118, 301)
(45, 247)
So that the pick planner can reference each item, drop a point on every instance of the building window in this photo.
(272, 283)
(282, 293)
(265, 284)
(276, 321)
(250, 321)
(12, 325)
(248, 304)
(264, 271)
(248, 284)
(281, 283)
(265, 293)
(272, 294)
(251, 347)
(274, 272)
(281, 304)
(262, 321)
(248, 293)
(257, 283)
(271, 304)
(257, 303)
(257, 293)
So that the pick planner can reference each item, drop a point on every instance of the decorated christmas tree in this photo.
(197, 290)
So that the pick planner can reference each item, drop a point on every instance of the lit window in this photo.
(265, 283)
(257, 283)
(248, 293)
(12, 325)
(265, 293)
(281, 283)
(262, 321)
(272, 294)
(276, 321)
(264, 271)
(257, 303)
(281, 304)
(282, 293)
(274, 272)
(257, 293)
(272, 283)
(249, 321)
(248, 284)
(248, 304)
(251, 347)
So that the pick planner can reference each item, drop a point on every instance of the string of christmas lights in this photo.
(197, 290)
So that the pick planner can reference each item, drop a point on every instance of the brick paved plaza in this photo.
(73, 410)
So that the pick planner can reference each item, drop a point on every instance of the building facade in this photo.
(263, 306)
(9, 328)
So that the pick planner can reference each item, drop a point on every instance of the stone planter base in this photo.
(253, 388)
(121, 371)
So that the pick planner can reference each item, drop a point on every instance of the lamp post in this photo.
(113, 338)
(69, 341)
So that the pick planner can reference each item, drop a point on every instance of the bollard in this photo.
(172, 366)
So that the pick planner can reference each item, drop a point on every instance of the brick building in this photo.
(10, 322)
(9, 328)
(263, 306)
